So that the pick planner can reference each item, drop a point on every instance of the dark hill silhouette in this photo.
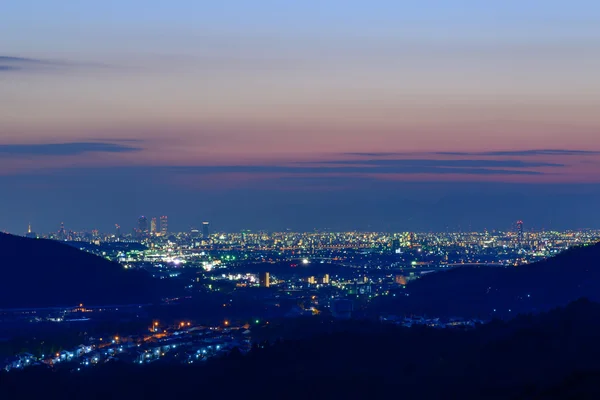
(45, 273)
(478, 291)
(552, 355)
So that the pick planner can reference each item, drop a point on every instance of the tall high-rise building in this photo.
(62, 233)
(164, 225)
(153, 226)
(264, 279)
(520, 232)
(395, 245)
(117, 230)
(205, 230)
(30, 233)
(143, 224)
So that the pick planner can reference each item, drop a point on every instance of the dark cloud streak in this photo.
(508, 153)
(542, 152)
(441, 163)
(295, 170)
(63, 149)
(10, 64)
(22, 64)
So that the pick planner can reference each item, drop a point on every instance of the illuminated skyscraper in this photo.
(396, 245)
(117, 230)
(153, 226)
(326, 279)
(30, 233)
(143, 224)
(264, 280)
(520, 232)
(62, 233)
(205, 231)
(164, 225)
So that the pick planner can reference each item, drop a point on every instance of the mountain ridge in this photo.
(491, 292)
(45, 273)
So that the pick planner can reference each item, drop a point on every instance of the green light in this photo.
(257, 321)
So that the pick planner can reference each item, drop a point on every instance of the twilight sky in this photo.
(342, 114)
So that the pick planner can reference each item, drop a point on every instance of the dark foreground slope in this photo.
(503, 292)
(554, 355)
(45, 273)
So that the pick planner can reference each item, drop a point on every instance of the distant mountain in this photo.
(45, 273)
(503, 292)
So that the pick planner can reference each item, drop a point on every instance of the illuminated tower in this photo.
(117, 230)
(396, 245)
(520, 232)
(205, 231)
(62, 233)
(143, 224)
(30, 234)
(153, 226)
(164, 225)
(264, 279)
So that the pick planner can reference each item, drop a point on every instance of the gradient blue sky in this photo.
(398, 115)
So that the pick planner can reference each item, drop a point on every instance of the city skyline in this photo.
(205, 230)
(272, 116)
